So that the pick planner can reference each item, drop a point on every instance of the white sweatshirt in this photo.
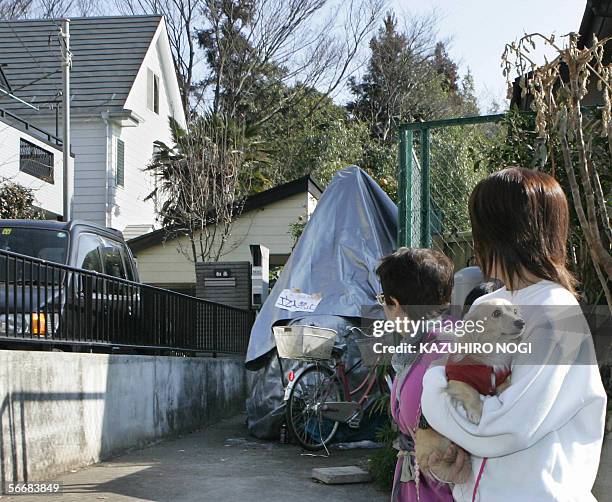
(543, 435)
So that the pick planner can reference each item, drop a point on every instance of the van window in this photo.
(113, 259)
(127, 263)
(88, 253)
(50, 245)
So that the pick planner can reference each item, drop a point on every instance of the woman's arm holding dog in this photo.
(540, 399)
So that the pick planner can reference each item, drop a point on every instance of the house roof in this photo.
(4, 83)
(596, 20)
(107, 53)
(255, 201)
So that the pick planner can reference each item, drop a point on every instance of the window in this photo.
(88, 254)
(113, 259)
(35, 161)
(152, 91)
(120, 164)
(40, 243)
(127, 263)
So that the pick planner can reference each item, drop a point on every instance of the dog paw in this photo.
(473, 411)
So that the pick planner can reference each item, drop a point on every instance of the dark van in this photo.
(76, 301)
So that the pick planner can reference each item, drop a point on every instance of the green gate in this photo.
(440, 162)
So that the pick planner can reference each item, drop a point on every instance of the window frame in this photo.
(104, 240)
(32, 165)
(153, 91)
(98, 248)
(120, 180)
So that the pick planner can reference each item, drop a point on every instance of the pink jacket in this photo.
(407, 414)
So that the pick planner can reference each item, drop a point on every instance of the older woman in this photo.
(415, 282)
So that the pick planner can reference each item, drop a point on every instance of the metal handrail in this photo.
(28, 126)
(86, 308)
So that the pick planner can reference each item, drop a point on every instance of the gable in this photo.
(157, 61)
(107, 55)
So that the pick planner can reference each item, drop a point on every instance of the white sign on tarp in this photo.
(297, 302)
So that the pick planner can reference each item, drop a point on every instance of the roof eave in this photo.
(304, 184)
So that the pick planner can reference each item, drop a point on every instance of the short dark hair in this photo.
(520, 222)
(416, 276)
(484, 288)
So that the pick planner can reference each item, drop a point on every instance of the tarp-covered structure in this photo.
(352, 227)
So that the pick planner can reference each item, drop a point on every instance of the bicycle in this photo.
(318, 398)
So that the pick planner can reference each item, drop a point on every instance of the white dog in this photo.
(478, 373)
(472, 375)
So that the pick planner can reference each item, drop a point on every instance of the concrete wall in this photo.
(60, 411)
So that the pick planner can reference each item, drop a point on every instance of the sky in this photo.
(479, 29)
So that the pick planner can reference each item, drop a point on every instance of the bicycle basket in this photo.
(304, 342)
(366, 348)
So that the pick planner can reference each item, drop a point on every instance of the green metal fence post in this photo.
(409, 205)
(425, 192)
(404, 227)
(401, 188)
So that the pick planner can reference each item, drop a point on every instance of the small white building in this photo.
(123, 90)
(265, 220)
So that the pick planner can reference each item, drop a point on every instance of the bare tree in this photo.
(310, 42)
(314, 41)
(14, 9)
(559, 88)
(201, 183)
(48, 9)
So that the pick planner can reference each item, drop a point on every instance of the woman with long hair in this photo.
(540, 439)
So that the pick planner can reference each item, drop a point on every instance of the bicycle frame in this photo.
(341, 374)
(369, 380)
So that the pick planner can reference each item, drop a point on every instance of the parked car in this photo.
(75, 301)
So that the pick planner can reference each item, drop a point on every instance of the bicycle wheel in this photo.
(313, 388)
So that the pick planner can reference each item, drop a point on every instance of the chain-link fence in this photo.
(440, 163)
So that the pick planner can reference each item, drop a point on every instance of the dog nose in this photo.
(519, 323)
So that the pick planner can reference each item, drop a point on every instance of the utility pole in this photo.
(64, 37)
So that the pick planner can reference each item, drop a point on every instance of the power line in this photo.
(38, 64)
(22, 44)
(46, 75)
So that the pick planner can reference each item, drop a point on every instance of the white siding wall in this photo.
(128, 206)
(268, 226)
(88, 138)
(48, 196)
(89, 147)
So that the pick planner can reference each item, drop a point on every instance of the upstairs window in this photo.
(152, 91)
(35, 161)
(120, 167)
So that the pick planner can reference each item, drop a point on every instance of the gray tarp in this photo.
(352, 227)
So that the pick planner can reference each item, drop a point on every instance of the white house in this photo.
(265, 220)
(31, 157)
(123, 89)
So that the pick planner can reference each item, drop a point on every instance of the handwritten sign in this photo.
(297, 302)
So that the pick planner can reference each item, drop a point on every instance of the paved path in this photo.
(219, 464)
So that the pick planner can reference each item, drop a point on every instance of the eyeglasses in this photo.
(380, 298)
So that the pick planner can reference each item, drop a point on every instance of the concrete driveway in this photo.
(219, 464)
